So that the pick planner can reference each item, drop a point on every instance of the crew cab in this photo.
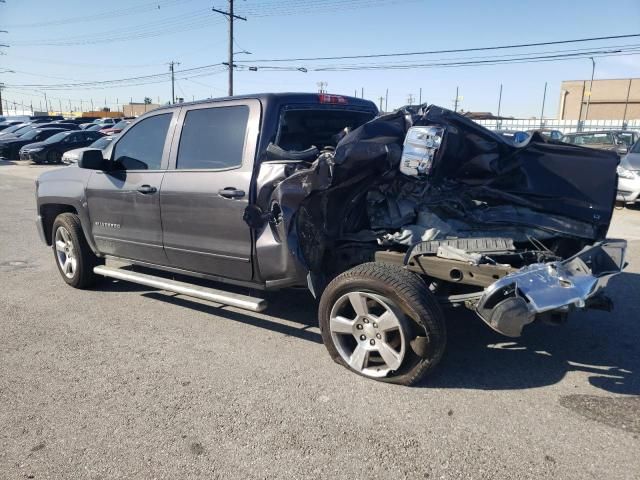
(383, 218)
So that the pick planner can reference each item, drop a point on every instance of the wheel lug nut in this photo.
(366, 320)
(372, 341)
(375, 325)
(363, 337)
(378, 336)
(359, 326)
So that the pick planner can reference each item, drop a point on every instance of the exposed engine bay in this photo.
(513, 232)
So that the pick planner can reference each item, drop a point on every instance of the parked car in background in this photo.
(629, 176)
(9, 123)
(105, 122)
(81, 120)
(548, 133)
(10, 148)
(66, 125)
(617, 141)
(103, 143)
(51, 149)
(15, 131)
(117, 128)
(94, 127)
(516, 136)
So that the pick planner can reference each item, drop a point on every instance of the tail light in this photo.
(419, 149)
(335, 99)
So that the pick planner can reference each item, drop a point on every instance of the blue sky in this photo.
(186, 31)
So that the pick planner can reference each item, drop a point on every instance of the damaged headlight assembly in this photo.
(419, 150)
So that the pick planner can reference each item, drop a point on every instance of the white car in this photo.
(102, 143)
(629, 176)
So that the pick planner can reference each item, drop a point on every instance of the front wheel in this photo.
(74, 257)
(382, 322)
(54, 157)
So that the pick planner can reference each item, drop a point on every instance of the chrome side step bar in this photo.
(218, 296)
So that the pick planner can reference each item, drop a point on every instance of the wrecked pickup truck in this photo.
(383, 218)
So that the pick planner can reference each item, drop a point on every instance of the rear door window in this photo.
(213, 138)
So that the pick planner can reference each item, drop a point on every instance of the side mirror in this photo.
(92, 160)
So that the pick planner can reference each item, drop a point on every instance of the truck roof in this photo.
(290, 98)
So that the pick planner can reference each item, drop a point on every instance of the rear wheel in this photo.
(382, 322)
(74, 257)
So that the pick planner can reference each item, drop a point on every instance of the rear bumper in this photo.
(516, 299)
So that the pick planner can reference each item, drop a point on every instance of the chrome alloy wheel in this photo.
(367, 330)
(65, 252)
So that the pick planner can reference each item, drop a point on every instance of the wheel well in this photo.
(48, 213)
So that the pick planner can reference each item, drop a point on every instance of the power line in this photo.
(458, 50)
(156, 5)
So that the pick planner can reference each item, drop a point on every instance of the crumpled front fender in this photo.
(514, 301)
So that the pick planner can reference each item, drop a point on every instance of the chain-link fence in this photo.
(565, 126)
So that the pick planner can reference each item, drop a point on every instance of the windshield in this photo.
(635, 148)
(626, 137)
(57, 137)
(13, 129)
(121, 124)
(101, 142)
(30, 135)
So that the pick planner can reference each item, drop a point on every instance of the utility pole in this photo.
(231, 17)
(499, 100)
(46, 105)
(1, 86)
(420, 100)
(544, 97)
(322, 87)
(173, 81)
(386, 101)
(626, 103)
(410, 99)
(455, 105)
(362, 92)
(381, 99)
(593, 70)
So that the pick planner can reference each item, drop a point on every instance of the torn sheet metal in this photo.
(513, 301)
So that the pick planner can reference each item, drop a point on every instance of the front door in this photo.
(124, 203)
(206, 189)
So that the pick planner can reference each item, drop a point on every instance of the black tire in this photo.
(54, 157)
(425, 331)
(83, 276)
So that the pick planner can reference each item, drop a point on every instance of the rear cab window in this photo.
(304, 126)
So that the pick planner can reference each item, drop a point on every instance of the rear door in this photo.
(124, 203)
(206, 189)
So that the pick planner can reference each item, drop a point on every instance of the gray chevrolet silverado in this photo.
(385, 219)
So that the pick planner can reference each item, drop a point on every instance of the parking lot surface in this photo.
(127, 382)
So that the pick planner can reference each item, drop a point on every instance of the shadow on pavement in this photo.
(604, 345)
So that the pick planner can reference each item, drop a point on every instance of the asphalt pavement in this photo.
(123, 381)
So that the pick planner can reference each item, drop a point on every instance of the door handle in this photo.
(230, 192)
(147, 189)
